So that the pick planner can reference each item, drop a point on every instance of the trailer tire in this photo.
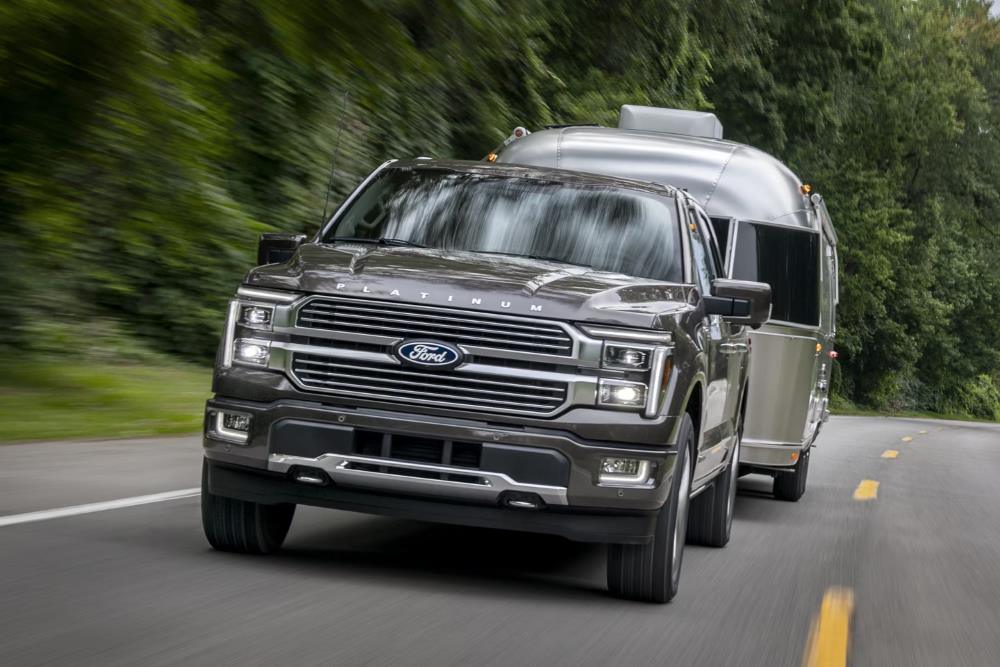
(790, 486)
(711, 520)
(651, 572)
(240, 526)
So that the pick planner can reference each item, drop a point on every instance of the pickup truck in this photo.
(489, 345)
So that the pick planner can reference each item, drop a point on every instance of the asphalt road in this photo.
(139, 585)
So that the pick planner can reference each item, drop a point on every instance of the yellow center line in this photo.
(829, 636)
(890, 454)
(907, 438)
(867, 490)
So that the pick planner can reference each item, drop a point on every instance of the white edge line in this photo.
(73, 510)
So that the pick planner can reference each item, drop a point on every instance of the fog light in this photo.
(236, 422)
(622, 394)
(626, 357)
(620, 466)
(616, 470)
(258, 317)
(232, 426)
(255, 352)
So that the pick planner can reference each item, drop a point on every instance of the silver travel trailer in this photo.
(769, 228)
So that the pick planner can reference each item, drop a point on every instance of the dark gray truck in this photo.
(489, 345)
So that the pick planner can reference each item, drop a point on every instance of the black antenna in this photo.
(336, 152)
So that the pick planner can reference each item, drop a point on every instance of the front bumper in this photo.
(557, 466)
(582, 526)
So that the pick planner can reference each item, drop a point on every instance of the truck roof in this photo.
(731, 180)
(537, 172)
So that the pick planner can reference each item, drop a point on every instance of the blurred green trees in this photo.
(144, 145)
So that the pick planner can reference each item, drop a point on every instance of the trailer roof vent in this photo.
(674, 121)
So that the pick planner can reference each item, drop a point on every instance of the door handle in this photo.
(733, 348)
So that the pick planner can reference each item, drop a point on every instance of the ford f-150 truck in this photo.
(489, 345)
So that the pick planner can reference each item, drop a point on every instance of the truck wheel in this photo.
(241, 526)
(651, 572)
(791, 485)
(711, 519)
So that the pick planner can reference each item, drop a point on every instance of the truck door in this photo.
(713, 335)
(735, 336)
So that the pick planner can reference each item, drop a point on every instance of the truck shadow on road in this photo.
(376, 550)
(452, 558)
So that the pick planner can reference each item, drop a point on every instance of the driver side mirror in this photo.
(739, 301)
(274, 248)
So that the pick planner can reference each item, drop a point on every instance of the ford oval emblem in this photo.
(429, 353)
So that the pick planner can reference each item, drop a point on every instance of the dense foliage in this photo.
(144, 145)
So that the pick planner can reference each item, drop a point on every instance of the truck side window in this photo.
(705, 268)
(721, 228)
(713, 246)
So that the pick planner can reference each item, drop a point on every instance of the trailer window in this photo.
(787, 260)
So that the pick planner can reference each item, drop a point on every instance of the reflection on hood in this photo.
(475, 281)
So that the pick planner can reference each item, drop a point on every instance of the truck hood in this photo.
(477, 281)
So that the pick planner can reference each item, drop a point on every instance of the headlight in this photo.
(620, 393)
(253, 314)
(254, 352)
(256, 316)
(626, 357)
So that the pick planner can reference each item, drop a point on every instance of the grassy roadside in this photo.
(840, 407)
(56, 399)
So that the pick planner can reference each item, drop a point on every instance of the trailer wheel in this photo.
(240, 526)
(651, 572)
(791, 485)
(711, 519)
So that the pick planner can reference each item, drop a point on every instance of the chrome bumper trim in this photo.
(487, 488)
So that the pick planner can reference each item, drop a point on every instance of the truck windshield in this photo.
(603, 227)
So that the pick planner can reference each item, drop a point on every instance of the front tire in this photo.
(240, 526)
(791, 485)
(711, 519)
(651, 572)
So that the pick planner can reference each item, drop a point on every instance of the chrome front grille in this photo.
(384, 318)
(455, 390)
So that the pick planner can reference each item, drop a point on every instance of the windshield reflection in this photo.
(607, 228)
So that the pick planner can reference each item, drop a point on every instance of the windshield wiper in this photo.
(378, 241)
(538, 257)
